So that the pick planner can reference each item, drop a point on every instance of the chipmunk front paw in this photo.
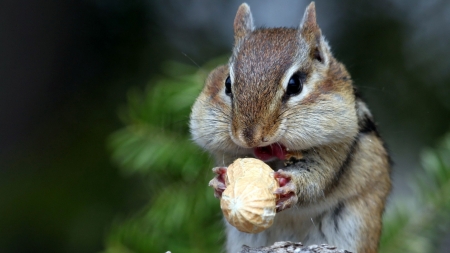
(287, 192)
(218, 182)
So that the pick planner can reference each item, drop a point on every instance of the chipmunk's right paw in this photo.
(287, 192)
(218, 182)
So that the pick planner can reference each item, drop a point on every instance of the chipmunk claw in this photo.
(286, 193)
(218, 182)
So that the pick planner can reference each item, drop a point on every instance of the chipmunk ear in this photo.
(310, 32)
(243, 22)
(308, 26)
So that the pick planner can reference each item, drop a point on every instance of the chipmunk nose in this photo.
(252, 136)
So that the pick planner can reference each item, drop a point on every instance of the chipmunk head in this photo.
(270, 71)
(281, 87)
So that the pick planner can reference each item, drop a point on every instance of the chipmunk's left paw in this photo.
(287, 192)
(218, 182)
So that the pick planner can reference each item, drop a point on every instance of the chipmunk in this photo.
(282, 91)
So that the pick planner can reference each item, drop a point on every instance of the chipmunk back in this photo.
(282, 91)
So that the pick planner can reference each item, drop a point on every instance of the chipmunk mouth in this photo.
(271, 152)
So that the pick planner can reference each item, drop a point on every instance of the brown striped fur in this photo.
(342, 181)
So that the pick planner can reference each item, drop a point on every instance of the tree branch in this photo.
(293, 247)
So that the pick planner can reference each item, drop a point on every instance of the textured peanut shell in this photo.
(248, 202)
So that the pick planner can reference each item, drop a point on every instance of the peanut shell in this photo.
(248, 202)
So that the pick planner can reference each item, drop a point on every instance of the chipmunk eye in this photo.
(228, 86)
(295, 85)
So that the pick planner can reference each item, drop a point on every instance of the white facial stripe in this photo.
(231, 73)
(233, 57)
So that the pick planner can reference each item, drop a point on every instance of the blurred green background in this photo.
(95, 153)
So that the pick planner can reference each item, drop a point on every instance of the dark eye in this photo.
(228, 86)
(295, 85)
